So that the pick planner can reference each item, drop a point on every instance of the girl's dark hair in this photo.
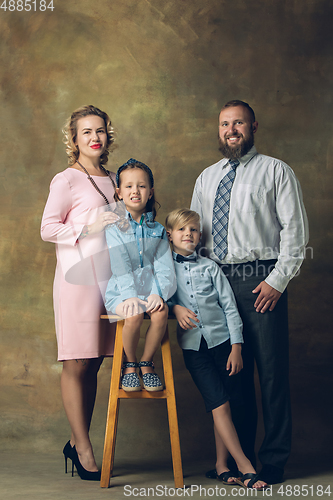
(152, 204)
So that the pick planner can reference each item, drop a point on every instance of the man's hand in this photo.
(185, 317)
(267, 297)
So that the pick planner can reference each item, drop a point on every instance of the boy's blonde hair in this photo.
(181, 217)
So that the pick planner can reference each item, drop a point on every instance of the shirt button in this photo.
(187, 282)
(196, 312)
(191, 296)
(200, 326)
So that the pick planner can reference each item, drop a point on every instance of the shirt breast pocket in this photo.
(202, 281)
(153, 243)
(154, 232)
(249, 198)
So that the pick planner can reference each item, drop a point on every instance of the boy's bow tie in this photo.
(182, 258)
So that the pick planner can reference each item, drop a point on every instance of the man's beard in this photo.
(236, 152)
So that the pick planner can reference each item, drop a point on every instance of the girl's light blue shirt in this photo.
(141, 262)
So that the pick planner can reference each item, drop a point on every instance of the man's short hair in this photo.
(180, 217)
(235, 102)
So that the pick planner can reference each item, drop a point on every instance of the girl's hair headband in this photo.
(137, 163)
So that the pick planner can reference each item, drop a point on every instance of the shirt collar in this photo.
(244, 160)
(148, 217)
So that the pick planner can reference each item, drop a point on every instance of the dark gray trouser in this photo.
(266, 342)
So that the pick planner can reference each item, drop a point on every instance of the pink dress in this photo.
(83, 267)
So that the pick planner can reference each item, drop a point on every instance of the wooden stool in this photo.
(116, 394)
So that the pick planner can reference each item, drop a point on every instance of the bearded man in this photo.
(255, 227)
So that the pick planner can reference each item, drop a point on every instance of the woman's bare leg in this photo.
(91, 387)
(78, 389)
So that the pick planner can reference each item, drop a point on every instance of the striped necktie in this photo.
(221, 212)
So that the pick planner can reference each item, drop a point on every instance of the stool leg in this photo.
(172, 411)
(113, 409)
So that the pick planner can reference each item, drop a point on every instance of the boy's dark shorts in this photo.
(208, 370)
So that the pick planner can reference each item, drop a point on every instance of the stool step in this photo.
(143, 394)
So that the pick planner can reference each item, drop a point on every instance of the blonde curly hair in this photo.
(70, 132)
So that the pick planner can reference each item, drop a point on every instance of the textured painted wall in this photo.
(161, 69)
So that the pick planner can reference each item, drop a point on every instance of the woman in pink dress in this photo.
(78, 208)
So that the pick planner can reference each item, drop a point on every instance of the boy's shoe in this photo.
(130, 382)
(151, 381)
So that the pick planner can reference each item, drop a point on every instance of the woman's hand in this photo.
(154, 303)
(103, 220)
(131, 307)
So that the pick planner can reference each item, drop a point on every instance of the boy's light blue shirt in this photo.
(141, 262)
(203, 288)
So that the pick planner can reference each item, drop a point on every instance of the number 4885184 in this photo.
(27, 5)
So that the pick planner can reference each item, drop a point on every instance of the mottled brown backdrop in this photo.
(161, 69)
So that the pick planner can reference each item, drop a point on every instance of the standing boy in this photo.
(210, 334)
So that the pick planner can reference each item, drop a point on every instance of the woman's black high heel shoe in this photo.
(82, 472)
(67, 451)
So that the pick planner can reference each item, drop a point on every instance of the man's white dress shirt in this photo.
(267, 218)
